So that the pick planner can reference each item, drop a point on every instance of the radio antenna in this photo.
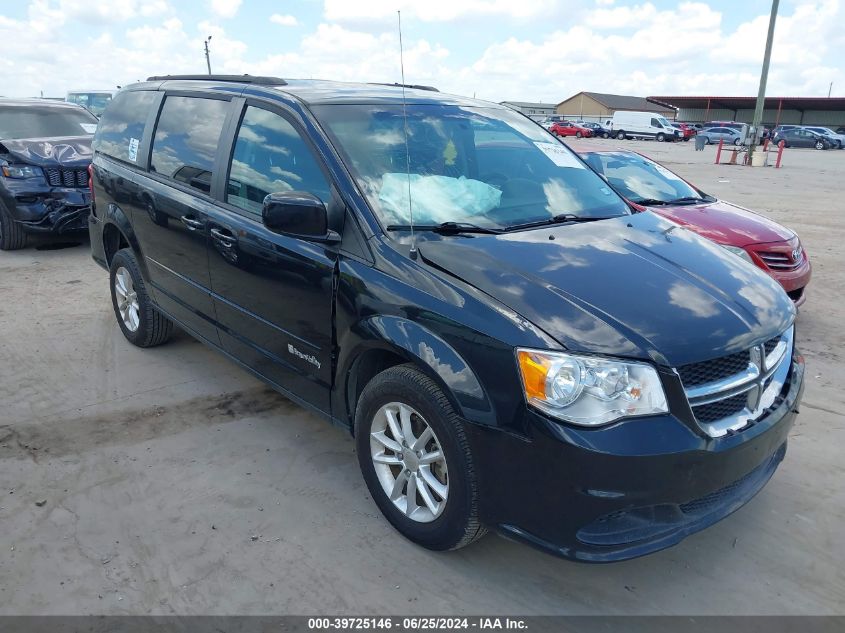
(413, 252)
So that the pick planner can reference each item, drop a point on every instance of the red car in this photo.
(754, 238)
(568, 128)
(688, 130)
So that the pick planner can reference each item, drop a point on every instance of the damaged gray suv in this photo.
(45, 152)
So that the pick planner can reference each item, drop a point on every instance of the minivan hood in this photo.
(726, 223)
(637, 286)
(71, 151)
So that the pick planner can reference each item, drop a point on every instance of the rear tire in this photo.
(661, 137)
(405, 399)
(12, 235)
(820, 145)
(737, 141)
(140, 322)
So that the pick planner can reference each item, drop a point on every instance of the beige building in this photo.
(598, 106)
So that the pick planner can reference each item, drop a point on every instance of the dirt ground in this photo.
(168, 481)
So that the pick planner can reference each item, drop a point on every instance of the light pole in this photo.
(207, 58)
(764, 75)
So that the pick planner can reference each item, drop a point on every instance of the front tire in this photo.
(577, 134)
(660, 138)
(12, 235)
(140, 322)
(416, 460)
(620, 135)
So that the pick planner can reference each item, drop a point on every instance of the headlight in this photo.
(21, 171)
(587, 390)
(739, 252)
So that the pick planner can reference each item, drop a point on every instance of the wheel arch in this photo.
(117, 234)
(386, 341)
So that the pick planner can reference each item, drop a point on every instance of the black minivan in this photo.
(512, 346)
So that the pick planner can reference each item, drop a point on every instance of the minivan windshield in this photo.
(642, 180)
(45, 122)
(483, 167)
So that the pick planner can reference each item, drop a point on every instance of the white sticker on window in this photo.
(90, 128)
(559, 155)
(662, 170)
(133, 149)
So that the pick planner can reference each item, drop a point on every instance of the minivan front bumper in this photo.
(628, 489)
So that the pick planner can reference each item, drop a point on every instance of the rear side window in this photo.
(121, 127)
(270, 156)
(186, 139)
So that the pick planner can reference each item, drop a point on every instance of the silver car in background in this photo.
(838, 140)
(715, 134)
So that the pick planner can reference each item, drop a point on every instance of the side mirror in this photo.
(300, 214)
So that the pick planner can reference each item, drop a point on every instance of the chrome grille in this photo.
(712, 370)
(66, 177)
(779, 260)
(730, 393)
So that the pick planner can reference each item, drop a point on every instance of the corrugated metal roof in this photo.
(620, 102)
(740, 103)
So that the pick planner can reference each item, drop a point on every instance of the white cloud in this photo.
(284, 20)
(226, 8)
(696, 54)
(431, 10)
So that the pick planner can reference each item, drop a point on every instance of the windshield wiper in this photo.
(687, 200)
(560, 218)
(649, 202)
(445, 227)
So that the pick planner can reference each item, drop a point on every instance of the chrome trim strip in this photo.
(751, 373)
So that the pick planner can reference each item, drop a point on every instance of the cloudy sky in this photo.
(529, 50)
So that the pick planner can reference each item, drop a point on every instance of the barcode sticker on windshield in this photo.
(133, 149)
(559, 155)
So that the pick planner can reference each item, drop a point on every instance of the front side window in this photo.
(485, 166)
(121, 127)
(270, 156)
(642, 180)
(186, 139)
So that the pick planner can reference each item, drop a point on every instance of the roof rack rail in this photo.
(241, 79)
(398, 85)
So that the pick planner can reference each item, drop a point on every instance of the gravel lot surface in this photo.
(169, 481)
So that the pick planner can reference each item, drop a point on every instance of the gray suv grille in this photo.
(66, 177)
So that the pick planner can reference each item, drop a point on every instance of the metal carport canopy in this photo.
(747, 103)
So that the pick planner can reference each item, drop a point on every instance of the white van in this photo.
(643, 125)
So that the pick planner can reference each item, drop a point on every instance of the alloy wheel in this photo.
(409, 462)
(127, 299)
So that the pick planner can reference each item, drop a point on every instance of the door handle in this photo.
(226, 239)
(192, 223)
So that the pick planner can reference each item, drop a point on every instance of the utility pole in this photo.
(207, 58)
(764, 75)
(830, 88)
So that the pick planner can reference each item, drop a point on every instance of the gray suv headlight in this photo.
(588, 390)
